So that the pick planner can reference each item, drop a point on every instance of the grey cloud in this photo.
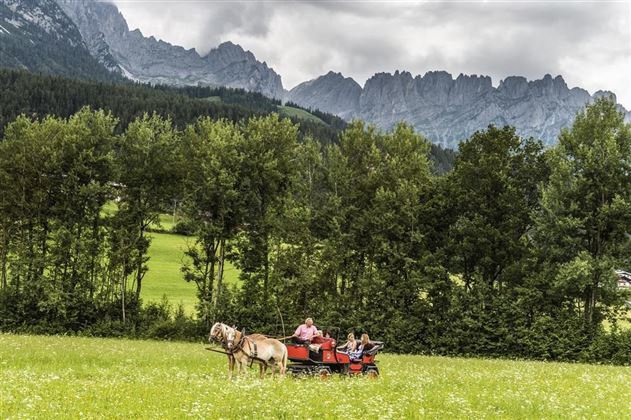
(302, 40)
(202, 24)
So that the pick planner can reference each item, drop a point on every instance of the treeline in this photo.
(253, 100)
(510, 254)
(38, 96)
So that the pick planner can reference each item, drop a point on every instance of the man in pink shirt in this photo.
(305, 332)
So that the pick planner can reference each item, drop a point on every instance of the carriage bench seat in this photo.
(297, 352)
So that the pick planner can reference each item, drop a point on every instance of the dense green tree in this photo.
(269, 165)
(584, 224)
(55, 176)
(492, 193)
(214, 202)
(350, 231)
(148, 178)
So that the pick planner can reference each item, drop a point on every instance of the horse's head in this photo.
(216, 332)
(230, 337)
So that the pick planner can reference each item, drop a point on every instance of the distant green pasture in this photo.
(166, 257)
(290, 111)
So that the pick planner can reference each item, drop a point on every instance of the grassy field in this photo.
(167, 222)
(299, 113)
(50, 377)
(212, 99)
(166, 256)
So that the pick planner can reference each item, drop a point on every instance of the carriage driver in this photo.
(305, 332)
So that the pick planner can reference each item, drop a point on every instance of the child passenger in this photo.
(350, 344)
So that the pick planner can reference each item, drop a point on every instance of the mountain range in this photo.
(148, 60)
(90, 39)
(447, 110)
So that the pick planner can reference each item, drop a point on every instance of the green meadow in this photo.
(166, 256)
(75, 377)
(290, 111)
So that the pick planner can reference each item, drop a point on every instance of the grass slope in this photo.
(290, 111)
(70, 377)
(212, 99)
(166, 256)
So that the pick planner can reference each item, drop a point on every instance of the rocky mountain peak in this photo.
(227, 53)
(39, 36)
(332, 90)
(448, 110)
(149, 60)
(513, 87)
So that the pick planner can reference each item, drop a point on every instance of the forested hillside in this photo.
(512, 253)
(36, 95)
(39, 95)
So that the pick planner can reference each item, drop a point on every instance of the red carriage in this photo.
(323, 358)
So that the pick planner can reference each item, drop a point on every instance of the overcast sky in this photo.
(588, 43)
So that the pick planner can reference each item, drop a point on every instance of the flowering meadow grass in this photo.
(73, 377)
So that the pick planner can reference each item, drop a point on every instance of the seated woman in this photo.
(350, 345)
(366, 344)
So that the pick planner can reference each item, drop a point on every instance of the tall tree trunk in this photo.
(139, 272)
(43, 248)
(123, 287)
(220, 270)
(95, 252)
(589, 305)
(266, 268)
(208, 276)
(5, 251)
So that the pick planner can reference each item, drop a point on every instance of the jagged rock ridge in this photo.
(339, 94)
(146, 59)
(37, 35)
(448, 110)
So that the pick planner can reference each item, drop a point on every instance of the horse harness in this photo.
(239, 347)
(251, 343)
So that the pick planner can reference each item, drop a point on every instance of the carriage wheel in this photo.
(324, 374)
(298, 371)
(372, 373)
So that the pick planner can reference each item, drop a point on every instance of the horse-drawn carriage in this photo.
(323, 358)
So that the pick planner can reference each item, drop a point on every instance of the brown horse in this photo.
(266, 352)
(219, 333)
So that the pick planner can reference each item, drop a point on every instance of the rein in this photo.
(251, 352)
(239, 345)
